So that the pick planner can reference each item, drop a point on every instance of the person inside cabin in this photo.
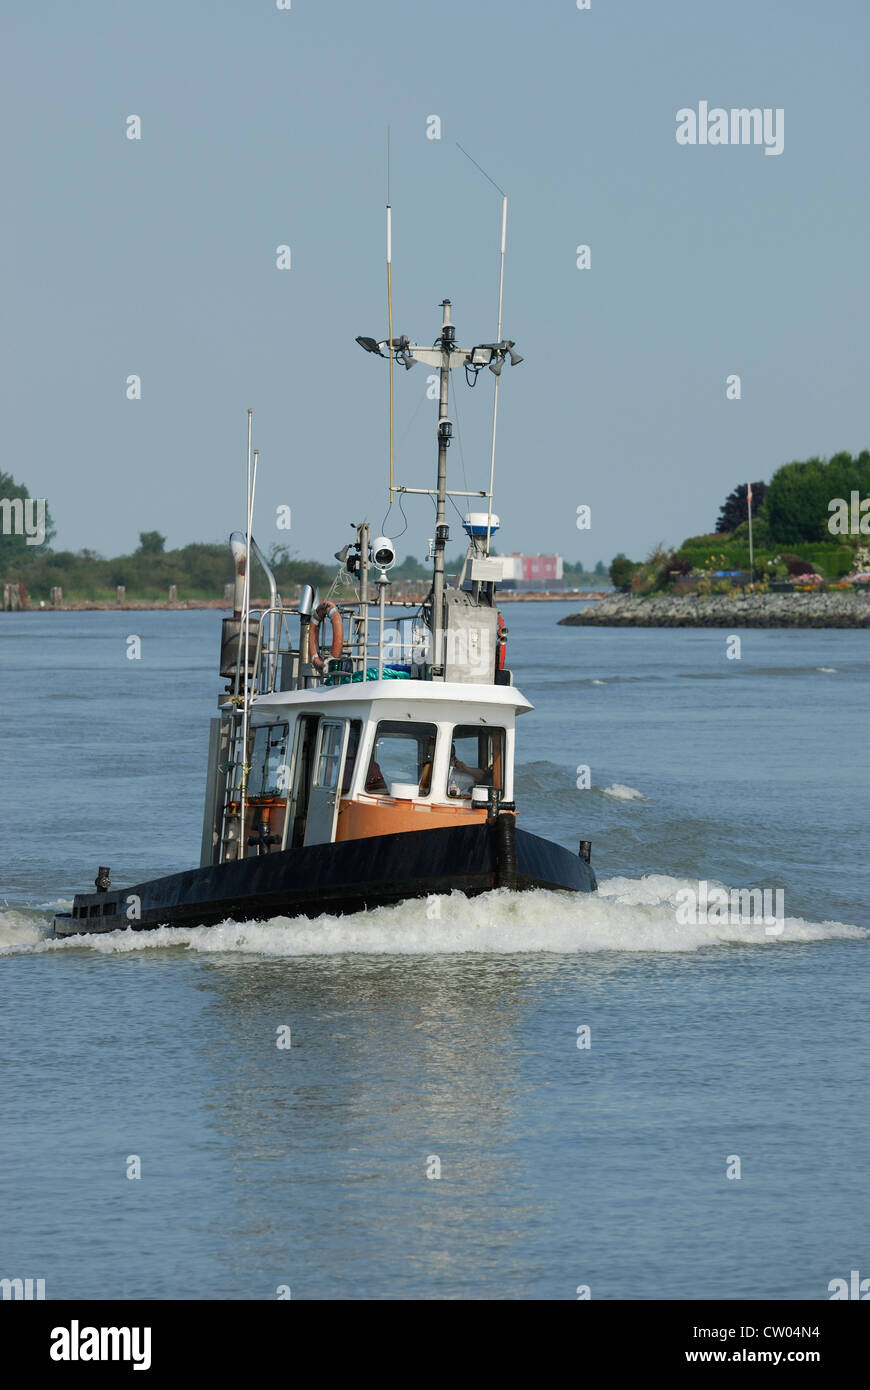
(461, 778)
(375, 783)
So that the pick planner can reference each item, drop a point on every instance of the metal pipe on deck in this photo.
(364, 592)
(382, 598)
(444, 432)
(275, 603)
(252, 491)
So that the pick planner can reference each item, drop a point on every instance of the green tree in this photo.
(410, 568)
(797, 500)
(734, 509)
(151, 543)
(622, 570)
(16, 520)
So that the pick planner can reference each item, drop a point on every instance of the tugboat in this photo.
(359, 758)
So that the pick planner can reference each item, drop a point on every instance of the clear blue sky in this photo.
(262, 127)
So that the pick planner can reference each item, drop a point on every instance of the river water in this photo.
(419, 1044)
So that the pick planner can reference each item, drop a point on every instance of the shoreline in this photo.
(133, 606)
(183, 605)
(802, 610)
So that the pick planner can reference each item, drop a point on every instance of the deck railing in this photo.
(401, 642)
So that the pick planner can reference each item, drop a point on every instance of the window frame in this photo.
(402, 728)
(497, 734)
(331, 753)
(266, 791)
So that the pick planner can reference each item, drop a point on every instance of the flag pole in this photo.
(749, 513)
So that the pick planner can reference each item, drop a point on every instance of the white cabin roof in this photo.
(441, 694)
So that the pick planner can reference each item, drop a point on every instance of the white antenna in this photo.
(390, 317)
(252, 489)
(498, 340)
(497, 335)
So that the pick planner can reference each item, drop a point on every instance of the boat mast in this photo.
(444, 354)
(445, 429)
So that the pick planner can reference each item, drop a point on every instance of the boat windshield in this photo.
(402, 753)
(476, 760)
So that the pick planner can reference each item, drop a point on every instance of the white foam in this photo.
(828, 670)
(623, 793)
(626, 915)
(21, 930)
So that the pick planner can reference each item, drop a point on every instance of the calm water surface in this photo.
(453, 1038)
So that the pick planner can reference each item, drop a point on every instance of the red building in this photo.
(538, 571)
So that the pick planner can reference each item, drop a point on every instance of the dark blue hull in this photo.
(338, 878)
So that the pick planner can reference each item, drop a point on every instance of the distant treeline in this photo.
(199, 572)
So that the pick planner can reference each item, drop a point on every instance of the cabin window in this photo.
(402, 753)
(331, 738)
(268, 757)
(476, 760)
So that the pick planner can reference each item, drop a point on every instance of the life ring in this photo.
(501, 644)
(324, 609)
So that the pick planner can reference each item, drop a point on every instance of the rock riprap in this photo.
(840, 609)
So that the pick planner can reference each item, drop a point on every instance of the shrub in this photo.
(622, 571)
(862, 559)
(761, 537)
(795, 565)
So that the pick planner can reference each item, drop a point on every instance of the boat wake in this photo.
(620, 792)
(625, 915)
(545, 780)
